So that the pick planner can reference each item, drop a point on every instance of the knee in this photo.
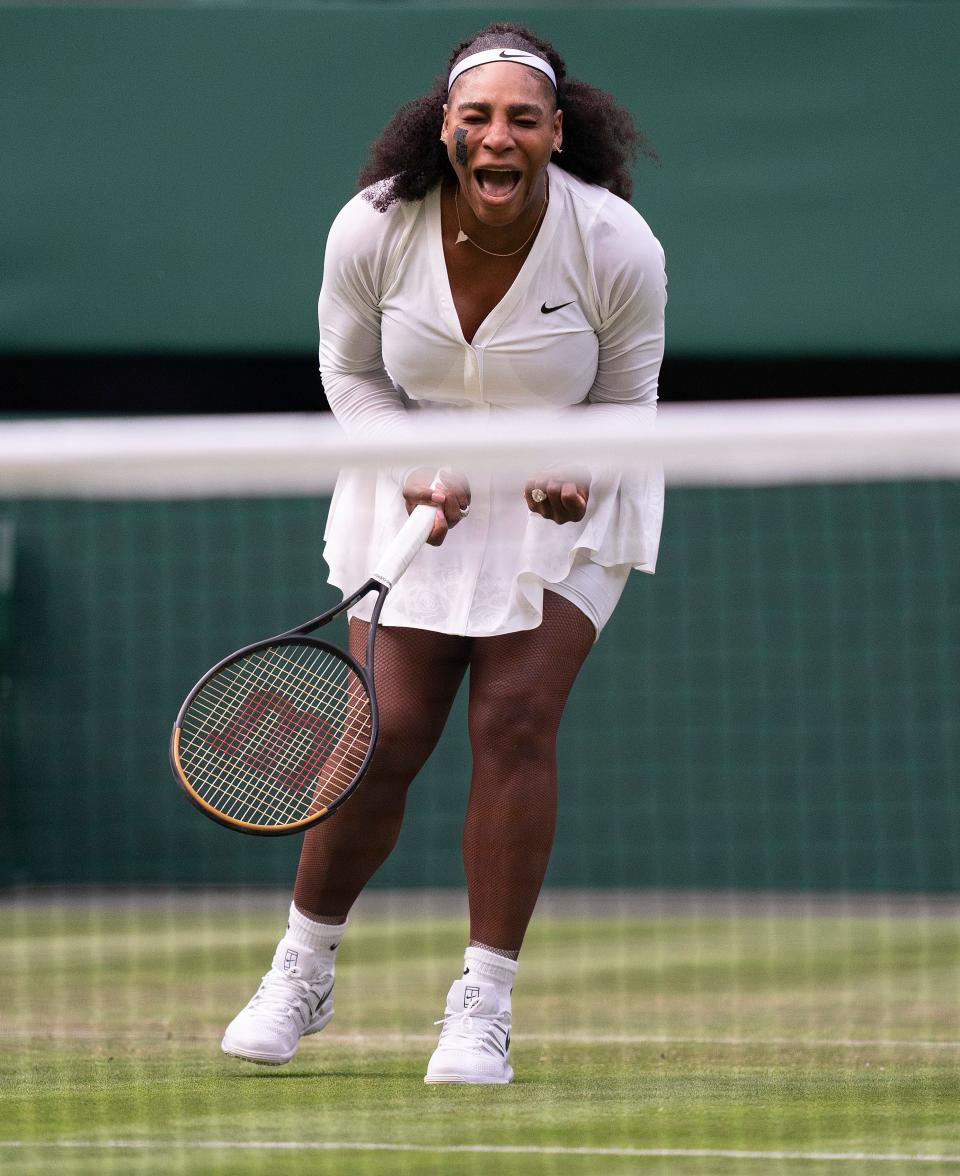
(516, 724)
(404, 743)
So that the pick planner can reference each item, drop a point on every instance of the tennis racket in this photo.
(274, 738)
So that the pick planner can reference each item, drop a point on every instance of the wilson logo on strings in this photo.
(265, 729)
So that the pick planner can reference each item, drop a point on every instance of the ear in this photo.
(445, 127)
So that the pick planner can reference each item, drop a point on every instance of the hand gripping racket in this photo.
(274, 738)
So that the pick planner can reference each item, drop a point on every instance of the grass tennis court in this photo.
(747, 1040)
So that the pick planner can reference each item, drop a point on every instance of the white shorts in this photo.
(593, 588)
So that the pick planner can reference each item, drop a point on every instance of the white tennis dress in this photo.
(582, 324)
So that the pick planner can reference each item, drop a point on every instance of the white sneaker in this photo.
(475, 1038)
(294, 999)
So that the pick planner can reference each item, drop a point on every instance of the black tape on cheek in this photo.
(460, 134)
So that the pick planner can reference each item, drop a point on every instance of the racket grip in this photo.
(399, 555)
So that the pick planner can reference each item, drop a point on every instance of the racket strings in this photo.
(225, 733)
(277, 735)
(287, 755)
(277, 758)
(281, 741)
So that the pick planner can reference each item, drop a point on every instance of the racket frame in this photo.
(298, 636)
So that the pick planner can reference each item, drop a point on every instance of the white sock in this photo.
(498, 969)
(311, 934)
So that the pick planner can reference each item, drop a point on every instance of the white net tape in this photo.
(729, 443)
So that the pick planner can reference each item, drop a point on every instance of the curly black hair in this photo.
(599, 138)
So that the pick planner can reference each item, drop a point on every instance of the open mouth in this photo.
(497, 184)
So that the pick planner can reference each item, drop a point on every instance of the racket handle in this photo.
(399, 555)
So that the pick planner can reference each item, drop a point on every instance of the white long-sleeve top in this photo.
(386, 307)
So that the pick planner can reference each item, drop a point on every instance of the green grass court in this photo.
(771, 1041)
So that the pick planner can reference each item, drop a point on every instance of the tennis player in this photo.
(490, 263)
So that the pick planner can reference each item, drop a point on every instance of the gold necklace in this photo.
(462, 236)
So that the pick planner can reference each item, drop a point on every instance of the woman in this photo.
(490, 263)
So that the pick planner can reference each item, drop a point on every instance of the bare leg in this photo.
(417, 675)
(519, 685)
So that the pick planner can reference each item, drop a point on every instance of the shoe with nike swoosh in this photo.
(295, 999)
(474, 1043)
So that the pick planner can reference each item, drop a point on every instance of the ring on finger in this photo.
(538, 495)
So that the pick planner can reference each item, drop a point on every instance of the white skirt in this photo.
(594, 589)
(489, 575)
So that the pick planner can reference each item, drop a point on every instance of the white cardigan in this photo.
(386, 306)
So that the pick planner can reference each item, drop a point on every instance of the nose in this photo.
(498, 137)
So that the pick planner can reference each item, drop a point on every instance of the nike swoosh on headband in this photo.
(520, 56)
(550, 309)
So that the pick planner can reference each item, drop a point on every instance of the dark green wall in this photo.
(169, 173)
(776, 708)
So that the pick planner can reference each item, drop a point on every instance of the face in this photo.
(512, 127)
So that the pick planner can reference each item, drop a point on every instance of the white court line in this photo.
(399, 1038)
(806, 1042)
(482, 1149)
(652, 1039)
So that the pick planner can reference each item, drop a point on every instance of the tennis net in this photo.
(775, 710)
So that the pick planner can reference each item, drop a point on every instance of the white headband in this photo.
(489, 55)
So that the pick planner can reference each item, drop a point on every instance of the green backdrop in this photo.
(169, 172)
(776, 708)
